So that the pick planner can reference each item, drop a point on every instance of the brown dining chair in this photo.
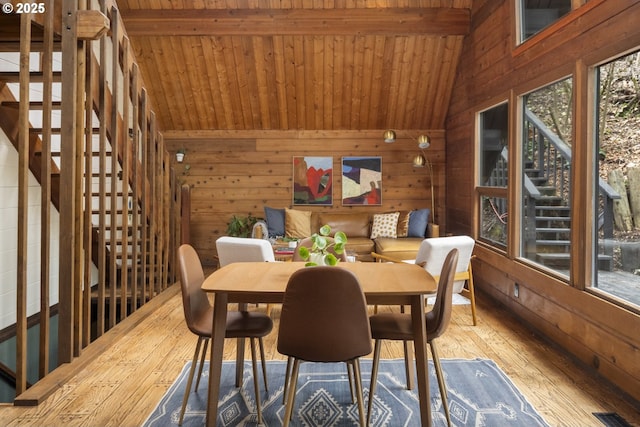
(324, 319)
(307, 242)
(398, 326)
(198, 314)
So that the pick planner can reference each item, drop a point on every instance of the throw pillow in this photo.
(403, 223)
(385, 225)
(297, 224)
(418, 221)
(275, 221)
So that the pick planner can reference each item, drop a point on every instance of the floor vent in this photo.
(611, 419)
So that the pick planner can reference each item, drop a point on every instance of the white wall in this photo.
(9, 236)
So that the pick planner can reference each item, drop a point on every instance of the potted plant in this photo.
(241, 226)
(319, 253)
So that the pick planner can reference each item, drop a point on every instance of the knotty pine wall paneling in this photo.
(598, 333)
(238, 173)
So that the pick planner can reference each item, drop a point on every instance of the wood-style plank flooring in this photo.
(123, 385)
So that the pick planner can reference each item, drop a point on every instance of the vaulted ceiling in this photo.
(298, 64)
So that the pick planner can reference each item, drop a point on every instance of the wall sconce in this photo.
(389, 136)
(180, 155)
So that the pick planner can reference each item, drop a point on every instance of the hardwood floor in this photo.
(122, 386)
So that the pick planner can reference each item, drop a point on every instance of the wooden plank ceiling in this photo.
(298, 64)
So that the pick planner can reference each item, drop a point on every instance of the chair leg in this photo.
(374, 379)
(472, 295)
(204, 355)
(256, 385)
(408, 364)
(441, 384)
(351, 382)
(287, 375)
(264, 364)
(293, 384)
(194, 362)
(358, 380)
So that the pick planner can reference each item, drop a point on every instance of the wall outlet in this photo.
(516, 290)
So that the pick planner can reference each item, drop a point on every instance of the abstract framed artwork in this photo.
(361, 181)
(312, 180)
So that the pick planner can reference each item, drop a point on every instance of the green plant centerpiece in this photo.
(319, 253)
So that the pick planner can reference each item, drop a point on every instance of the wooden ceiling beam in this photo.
(260, 22)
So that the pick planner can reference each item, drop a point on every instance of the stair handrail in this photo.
(565, 150)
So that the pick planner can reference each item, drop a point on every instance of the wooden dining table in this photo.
(266, 282)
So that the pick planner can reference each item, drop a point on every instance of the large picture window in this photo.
(546, 176)
(616, 254)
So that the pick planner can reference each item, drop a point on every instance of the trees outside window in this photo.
(616, 255)
(493, 174)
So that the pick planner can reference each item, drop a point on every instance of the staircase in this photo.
(119, 208)
(547, 214)
(546, 218)
(115, 242)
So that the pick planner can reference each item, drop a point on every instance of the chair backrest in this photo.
(194, 300)
(433, 252)
(438, 318)
(242, 249)
(324, 316)
(307, 242)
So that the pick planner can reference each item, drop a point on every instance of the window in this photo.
(546, 178)
(617, 207)
(493, 133)
(538, 14)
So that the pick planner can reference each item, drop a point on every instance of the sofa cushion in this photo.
(362, 246)
(400, 249)
(352, 224)
(385, 225)
(275, 221)
(403, 224)
(297, 223)
(418, 221)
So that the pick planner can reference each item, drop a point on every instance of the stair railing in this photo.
(547, 156)
(119, 199)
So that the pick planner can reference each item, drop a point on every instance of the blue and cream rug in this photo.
(480, 394)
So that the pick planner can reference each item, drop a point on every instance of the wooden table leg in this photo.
(215, 362)
(420, 346)
(240, 353)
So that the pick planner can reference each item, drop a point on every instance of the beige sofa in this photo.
(357, 227)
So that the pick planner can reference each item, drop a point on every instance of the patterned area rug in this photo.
(480, 394)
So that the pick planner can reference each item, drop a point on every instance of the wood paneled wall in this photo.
(237, 172)
(494, 70)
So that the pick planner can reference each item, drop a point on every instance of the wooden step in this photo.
(56, 131)
(562, 259)
(34, 76)
(554, 208)
(553, 242)
(553, 218)
(34, 105)
(553, 230)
